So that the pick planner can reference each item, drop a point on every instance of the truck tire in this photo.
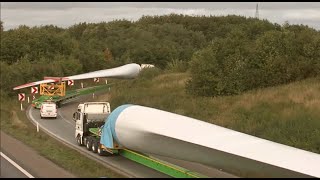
(89, 144)
(94, 146)
(100, 151)
(85, 139)
(79, 140)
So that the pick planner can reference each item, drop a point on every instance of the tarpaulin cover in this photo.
(108, 130)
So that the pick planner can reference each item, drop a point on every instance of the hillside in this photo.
(287, 114)
(225, 55)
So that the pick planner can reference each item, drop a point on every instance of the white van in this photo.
(48, 109)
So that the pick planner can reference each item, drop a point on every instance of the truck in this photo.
(93, 121)
(90, 118)
(36, 103)
(56, 99)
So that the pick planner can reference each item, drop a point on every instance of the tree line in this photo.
(224, 55)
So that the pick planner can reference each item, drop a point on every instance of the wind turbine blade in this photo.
(158, 132)
(34, 84)
(127, 71)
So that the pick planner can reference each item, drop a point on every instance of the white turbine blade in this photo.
(158, 132)
(125, 71)
(34, 84)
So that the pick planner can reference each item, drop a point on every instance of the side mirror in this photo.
(74, 117)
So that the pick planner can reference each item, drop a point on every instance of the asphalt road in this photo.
(21, 161)
(63, 127)
(10, 171)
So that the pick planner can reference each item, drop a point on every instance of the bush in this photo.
(149, 73)
(236, 64)
(177, 66)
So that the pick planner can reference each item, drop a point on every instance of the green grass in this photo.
(287, 114)
(15, 123)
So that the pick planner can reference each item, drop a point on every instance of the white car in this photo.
(48, 109)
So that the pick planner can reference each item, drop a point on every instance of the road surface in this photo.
(21, 161)
(10, 169)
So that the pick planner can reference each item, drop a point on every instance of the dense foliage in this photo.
(225, 55)
(237, 63)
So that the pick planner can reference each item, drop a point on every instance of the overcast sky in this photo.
(65, 14)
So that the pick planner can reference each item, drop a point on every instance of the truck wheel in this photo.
(100, 151)
(94, 146)
(79, 140)
(89, 144)
(85, 140)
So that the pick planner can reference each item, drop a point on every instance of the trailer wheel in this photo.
(94, 146)
(85, 139)
(89, 144)
(79, 140)
(100, 151)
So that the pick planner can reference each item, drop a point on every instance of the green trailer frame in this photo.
(69, 94)
(159, 165)
(154, 163)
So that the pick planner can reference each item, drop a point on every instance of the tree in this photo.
(1, 26)
(107, 55)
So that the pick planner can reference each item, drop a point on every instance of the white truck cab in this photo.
(88, 115)
(48, 109)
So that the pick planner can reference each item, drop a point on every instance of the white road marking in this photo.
(16, 165)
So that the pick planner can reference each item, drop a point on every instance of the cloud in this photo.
(65, 14)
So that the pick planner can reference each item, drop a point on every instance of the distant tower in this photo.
(257, 12)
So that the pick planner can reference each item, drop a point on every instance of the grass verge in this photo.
(287, 114)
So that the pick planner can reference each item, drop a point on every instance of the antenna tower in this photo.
(257, 11)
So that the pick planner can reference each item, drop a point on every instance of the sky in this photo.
(65, 14)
